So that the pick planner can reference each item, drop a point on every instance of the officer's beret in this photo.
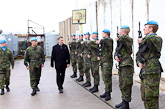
(73, 34)
(87, 33)
(33, 39)
(2, 41)
(124, 27)
(95, 32)
(106, 31)
(80, 34)
(152, 22)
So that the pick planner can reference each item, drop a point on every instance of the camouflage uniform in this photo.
(72, 46)
(86, 60)
(80, 59)
(35, 57)
(93, 49)
(107, 62)
(126, 67)
(6, 58)
(151, 70)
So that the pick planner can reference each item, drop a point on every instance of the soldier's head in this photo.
(80, 36)
(34, 41)
(124, 30)
(73, 36)
(3, 42)
(106, 33)
(87, 35)
(94, 35)
(60, 40)
(150, 27)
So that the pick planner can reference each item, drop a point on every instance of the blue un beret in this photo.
(124, 26)
(33, 39)
(2, 41)
(152, 22)
(95, 32)
(87, 33)
(106, 31)
(80, 34)
(73, 34)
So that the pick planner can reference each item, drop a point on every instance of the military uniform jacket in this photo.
(34, 56)
(6, 58)
(84, 47)
(72, 46)
(151, 54)
(107, 50)
(125, 51)
(93, 50)
(78, 47)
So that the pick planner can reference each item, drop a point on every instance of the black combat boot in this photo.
(74, 75)
(33, 92)
(91, 88)
(81, 79)
(37, 89)
(95, 89)
(103, 95)
(125, 105)
(108, 96)
(77, 79)
(87, 84)
(119, 105)
(2, 92)
(7, 88)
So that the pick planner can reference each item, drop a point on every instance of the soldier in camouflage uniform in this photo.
(35, 57)
(84, 54)
(150, 68)
(80, 59)
(93, 50)
(6, 59)
(72, 46)
(126, 67)
(106, 62)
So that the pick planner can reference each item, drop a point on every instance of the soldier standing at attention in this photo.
(126, 67)
(92, 55)
(72, 46)
(35, 57)
(84, 54)
(80, 59)
(5, 62)
(106, 62)
(150, 66)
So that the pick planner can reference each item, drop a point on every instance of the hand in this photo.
(76, 52)
(12, 67)
(69, 52)
(67, 65)
(116, 38)
(81, 55)
(89, 56)
(42, 65)
(27, 68)
(97, 42)
(139, 40)
(99, 58)
(117, 59)
(140, 65)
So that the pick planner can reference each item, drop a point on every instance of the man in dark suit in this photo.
(61, 57)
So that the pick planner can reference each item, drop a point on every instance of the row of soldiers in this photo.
(89, 53)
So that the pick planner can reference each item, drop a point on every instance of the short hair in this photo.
(58, 38)
(109, 34)
(155, 27)
(127, 30)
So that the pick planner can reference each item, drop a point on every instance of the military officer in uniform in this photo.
(6, 59)
(150, 65)
(34, 60)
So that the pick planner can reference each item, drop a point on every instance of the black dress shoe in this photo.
(7, 88)
(60, 91)
(37, 89)
(2, 92)
(33, 92)
(74, 75)
(103, 95)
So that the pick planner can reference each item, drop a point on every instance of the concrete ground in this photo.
(74, 95)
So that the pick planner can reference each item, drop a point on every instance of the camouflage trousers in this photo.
(80, 65)
(150, 90)
(86, 69)
(4, 77)
(106, 69)
(74, 63)
(95, 72)
(35, 74)
(126, 82)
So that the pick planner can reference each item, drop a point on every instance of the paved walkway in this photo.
(74, 95)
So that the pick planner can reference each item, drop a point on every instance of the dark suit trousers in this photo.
(60, 77)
